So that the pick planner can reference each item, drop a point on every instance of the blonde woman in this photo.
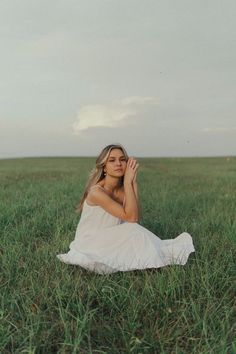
(109, 237)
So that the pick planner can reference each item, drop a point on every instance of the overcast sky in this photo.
(157, 76)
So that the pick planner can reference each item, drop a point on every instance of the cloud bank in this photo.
(116, 113)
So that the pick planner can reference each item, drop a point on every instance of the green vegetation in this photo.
(50, 307)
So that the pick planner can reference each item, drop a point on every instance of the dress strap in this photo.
(96, 185)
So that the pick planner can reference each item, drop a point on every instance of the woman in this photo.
(108, 237)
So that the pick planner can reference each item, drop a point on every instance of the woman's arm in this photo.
(127, 212)
(131, 202)
(135, 188)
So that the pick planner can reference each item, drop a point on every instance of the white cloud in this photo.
(114, 114)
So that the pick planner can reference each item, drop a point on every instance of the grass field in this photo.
(50, 307)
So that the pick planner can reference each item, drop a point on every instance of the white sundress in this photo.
(105, 244)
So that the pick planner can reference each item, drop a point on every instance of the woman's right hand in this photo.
(130, 171)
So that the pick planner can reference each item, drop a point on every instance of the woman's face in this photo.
(116, 163)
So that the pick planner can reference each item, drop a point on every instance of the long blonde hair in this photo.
(97, 173)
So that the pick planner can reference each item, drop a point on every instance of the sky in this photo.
(157, 76)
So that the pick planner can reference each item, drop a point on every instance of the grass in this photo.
(49, 307)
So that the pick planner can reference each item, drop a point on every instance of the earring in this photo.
(104, 173)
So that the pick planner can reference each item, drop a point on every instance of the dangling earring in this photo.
(104, 173)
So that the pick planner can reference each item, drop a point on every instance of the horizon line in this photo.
(94, 156)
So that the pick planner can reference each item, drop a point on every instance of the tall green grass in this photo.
(50, 307)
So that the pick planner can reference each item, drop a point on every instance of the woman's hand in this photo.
(131, 170)
(135, 177)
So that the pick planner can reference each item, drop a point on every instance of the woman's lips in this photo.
(119, 169)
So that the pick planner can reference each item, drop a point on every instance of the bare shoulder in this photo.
(98, 189)
(94, 191)
(110, 203)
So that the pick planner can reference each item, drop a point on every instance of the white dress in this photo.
(105, 244)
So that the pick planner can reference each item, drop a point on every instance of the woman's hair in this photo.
(97, 173)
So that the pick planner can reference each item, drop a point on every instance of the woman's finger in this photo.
(130, 160)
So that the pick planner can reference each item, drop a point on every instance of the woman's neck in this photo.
(111, 184)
